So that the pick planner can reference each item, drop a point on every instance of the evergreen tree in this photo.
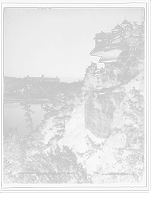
(13, 151)
(90, 80)
(28, 114)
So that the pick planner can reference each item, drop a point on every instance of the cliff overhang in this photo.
(106, 49)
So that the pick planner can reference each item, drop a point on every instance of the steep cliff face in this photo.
(114, 93)
(99, 111)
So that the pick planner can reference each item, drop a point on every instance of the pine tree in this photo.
(28, 114)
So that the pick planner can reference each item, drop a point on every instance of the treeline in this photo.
(48, 88)
(10, 83)
(62, 151)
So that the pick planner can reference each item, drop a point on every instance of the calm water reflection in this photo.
(23, 118)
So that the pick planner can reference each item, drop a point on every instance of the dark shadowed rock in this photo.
(99, 111)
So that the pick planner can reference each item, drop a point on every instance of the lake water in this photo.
(24, 118)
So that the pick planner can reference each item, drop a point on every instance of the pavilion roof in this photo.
(117, 27)
(125, 22)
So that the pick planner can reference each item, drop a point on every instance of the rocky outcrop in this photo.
(114, 92)
(99, 111)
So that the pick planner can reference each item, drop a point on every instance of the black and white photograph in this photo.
(75, 97)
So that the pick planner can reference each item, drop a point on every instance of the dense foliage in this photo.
(24, 88)
(10, 83)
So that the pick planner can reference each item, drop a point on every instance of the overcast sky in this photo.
(56, 42)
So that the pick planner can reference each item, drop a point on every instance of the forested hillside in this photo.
(12, 84)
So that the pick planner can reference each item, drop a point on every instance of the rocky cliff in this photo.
(114, 93)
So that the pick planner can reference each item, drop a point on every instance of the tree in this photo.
(90, 80)
(59, 167)
(11, 83)
(56, 117)
(7, 172)
(91, 157)
(64, 107)
(13, 151)
(108, 77)
(28, 114)
(35, 143)
(132, 154)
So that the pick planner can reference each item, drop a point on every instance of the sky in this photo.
(56, 41)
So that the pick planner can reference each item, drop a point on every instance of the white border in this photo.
(97, 189)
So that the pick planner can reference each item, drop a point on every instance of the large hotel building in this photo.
(42, 79)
